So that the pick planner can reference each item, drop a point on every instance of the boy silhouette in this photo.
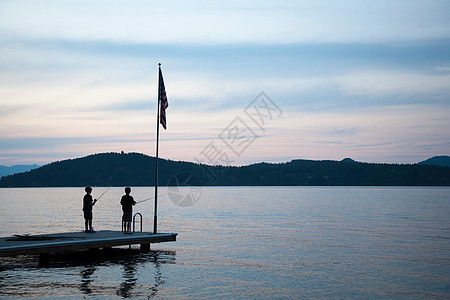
(127, 202)
(88, 204)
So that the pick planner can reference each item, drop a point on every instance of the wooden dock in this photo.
(78, 241)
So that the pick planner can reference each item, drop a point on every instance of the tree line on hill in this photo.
(135, 169)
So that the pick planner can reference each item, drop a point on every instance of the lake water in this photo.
(243, 242)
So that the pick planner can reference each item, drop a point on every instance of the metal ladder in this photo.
(134, 220)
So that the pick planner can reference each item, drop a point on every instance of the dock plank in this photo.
(77, 241)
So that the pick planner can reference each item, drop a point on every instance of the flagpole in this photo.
(155, 216)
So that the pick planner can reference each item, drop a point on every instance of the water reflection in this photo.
(128, 273)
(86, 279)
(158, 276)
(129, 279)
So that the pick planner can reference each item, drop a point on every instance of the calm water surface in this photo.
(243, 242)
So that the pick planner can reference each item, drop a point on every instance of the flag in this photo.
(163, 99)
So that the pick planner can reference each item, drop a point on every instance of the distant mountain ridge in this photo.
(16, 169)
(443, 161)
(349, 160)
(135, 169)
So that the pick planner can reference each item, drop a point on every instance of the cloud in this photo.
(387, 82)
(227, 22)
(367, 78)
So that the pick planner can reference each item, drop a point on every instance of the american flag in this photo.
(163, 98)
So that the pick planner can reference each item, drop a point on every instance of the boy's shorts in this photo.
(127, 215)
(88, 215)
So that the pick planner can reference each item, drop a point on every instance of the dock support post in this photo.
(145, 247)
(93, 251)
(44, 259)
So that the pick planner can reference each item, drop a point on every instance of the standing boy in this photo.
(127, 202)
(88, 203)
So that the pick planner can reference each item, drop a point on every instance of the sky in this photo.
(246, 81)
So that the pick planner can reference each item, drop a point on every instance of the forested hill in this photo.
(134, 169)
(437, 161)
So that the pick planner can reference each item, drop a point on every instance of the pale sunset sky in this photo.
(368, 80)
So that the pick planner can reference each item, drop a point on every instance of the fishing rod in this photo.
(103, 193)
(149, 198)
